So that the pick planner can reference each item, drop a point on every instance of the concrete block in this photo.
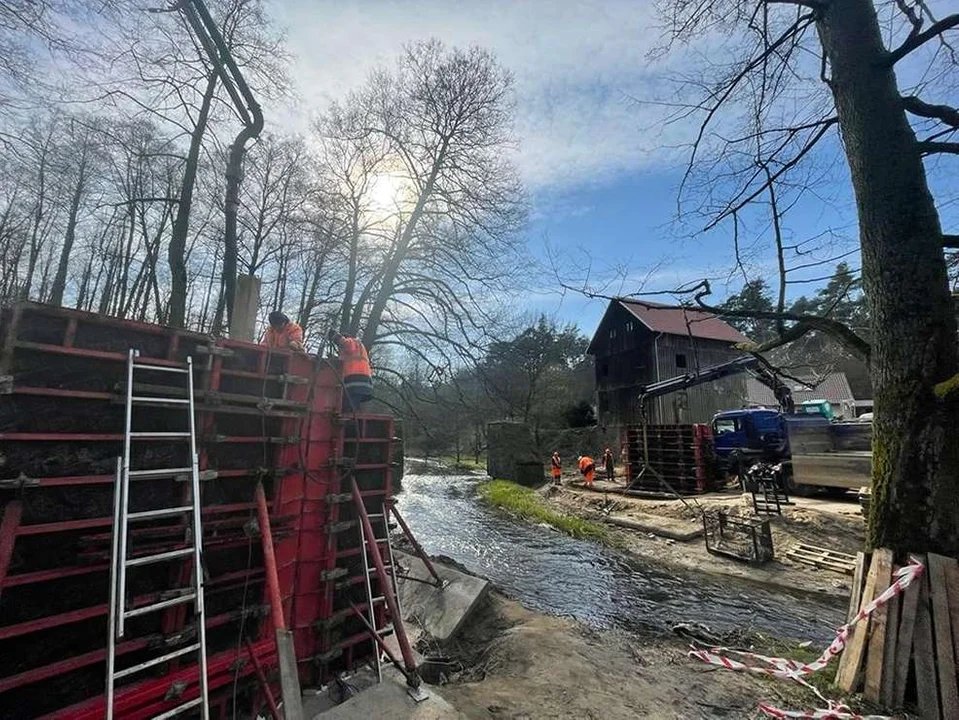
(389, 700)
(438, 611)
(245, 305)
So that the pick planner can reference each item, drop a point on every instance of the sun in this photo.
(388, 194)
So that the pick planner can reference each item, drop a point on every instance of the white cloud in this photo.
(575, 66)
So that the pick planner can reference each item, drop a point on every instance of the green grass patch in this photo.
(464, 463)
(527, 504)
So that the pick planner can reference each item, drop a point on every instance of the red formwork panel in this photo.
(262, 416)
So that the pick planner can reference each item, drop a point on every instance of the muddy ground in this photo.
(832, 523)
(512, 663)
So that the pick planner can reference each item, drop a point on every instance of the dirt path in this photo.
(523, 665)
(833, 524)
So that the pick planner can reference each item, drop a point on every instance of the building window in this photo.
(629, 326)
(612, 333)
(681, 360)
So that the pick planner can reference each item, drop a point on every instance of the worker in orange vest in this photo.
(609, 464)
(557, 467)
(283, 333)
(356, 372)
(587, 468)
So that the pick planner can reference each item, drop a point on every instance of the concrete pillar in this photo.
(245, 305)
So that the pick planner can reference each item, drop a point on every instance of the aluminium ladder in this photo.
(123, 519)
(386, 629)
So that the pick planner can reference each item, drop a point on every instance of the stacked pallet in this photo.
(676, 458)
(906, 651)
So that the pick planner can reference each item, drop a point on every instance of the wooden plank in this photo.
(876, 647)
(907, 624)
(922, 655)
(942, 633)
(952, 587)
(855, 593)
(888, 686)
(848, 674)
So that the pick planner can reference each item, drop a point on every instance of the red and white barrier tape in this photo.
(835, 712)
(786, 669)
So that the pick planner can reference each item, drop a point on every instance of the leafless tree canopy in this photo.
(395, 221)
(785, 88)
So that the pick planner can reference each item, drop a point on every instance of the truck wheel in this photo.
(836, 492)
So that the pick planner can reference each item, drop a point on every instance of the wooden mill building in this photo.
(638, 343)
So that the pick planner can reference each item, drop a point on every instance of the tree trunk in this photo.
(60, 279)
(176, 253)
(915, 452)
(385, 291)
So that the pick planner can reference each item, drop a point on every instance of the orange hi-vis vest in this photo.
(557, 466)
(586, 464)
(283, 338)
(357, 374)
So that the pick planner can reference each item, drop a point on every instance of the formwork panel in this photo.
(262, 416)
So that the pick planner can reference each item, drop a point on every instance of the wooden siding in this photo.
(629, 356)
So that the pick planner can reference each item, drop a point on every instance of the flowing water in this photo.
(554, 573)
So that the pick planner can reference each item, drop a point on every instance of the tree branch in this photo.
(917, 39)
(945, 113)
(929, 147)
(844, 335)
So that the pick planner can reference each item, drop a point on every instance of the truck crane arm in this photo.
(752, 364)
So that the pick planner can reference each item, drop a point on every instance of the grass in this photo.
(464, 463)
(528, 505)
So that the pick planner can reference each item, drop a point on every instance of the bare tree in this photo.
(437, 130)
(853, 88)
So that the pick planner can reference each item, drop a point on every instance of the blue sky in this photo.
(602, 169)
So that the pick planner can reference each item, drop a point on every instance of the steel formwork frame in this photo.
(248, 396)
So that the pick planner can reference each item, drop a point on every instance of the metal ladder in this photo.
(386, 629)
(123, 519)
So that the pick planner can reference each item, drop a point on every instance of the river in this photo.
(553, 573)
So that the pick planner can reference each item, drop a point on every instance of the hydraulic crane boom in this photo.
(752, 364)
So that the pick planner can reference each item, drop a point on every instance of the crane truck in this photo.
(813, 448)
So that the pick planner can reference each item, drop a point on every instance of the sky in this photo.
(601, 168)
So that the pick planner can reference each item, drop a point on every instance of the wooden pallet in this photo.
(822, 558)
(915, 636)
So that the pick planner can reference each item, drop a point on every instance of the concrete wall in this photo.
(509, 443)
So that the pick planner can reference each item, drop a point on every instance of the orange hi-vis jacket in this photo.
(586, 466)
(557, 467)
(357, 374)
(289, 337)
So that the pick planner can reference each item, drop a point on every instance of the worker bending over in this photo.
(609, 464)
(283, 333)
(356, 371)
(556, 468)
(587, 468)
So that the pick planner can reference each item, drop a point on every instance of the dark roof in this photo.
(834, 388)
(673, 320)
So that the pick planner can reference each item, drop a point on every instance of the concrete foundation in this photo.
(389, 700)
(440, 612)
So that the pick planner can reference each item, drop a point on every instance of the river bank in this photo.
(828, 523)
(514, 663)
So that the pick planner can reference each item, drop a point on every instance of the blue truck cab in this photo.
(754, 433)
(742, 437)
